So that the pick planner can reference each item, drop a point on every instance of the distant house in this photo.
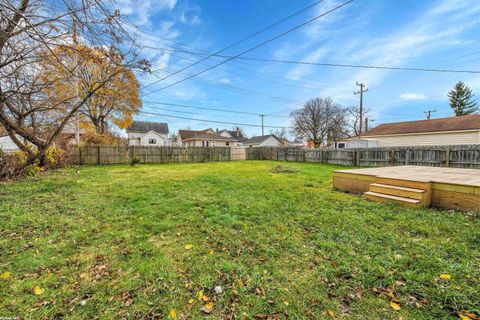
(204, 138)
(234, 134)
(263, 141)
(142, 133)
(444, 131)
(7, 145)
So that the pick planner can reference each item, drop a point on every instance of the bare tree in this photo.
(319, 120)
(37, 36)
(353, 121)
(280, 133)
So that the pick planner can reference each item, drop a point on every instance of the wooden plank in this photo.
(456, 200)
(350, 185)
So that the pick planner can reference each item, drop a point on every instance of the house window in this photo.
(152, 141)
(341, 145)
(227, 143)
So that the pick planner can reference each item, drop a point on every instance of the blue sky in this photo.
(408, 33)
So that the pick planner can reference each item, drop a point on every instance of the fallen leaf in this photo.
(38, 291)
(467, 315)
(286, 303)
(394, 305)
(200, 295)
(6, 275)
(208, 308)
(210, 252)
(330, 313)
(191, 301)
(189, 246)
(172, 314)
(445, 276)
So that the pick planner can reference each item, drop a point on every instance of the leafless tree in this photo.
(280, 133)
(319, 121)
(32, 32)
(353, 121)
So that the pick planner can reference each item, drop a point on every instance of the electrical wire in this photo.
(255, 47)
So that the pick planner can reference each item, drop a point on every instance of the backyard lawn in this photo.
(153, 241)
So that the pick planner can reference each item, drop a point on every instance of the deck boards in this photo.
(451, 188)
(466, 177)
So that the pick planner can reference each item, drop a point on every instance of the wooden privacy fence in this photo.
(127, 154)
(457, 156)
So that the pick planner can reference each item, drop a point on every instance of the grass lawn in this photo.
(137, 242)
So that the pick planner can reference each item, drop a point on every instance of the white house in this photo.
(443, 131)
(204, 138)
(263, 141)
(142, 133)
(8, 146)
(234, 134)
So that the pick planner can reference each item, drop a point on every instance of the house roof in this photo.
(259, 139)
(144, 127)
(469, 122)
(202, 134)
(234, 133)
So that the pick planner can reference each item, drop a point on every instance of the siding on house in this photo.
(428, 138)
(142, 139)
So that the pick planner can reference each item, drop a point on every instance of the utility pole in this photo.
(262, 116)
(366, 123)
(429, 113)
(361, 91)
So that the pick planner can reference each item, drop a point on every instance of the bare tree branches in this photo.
(319, 121)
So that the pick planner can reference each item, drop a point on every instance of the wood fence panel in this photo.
(458, 156)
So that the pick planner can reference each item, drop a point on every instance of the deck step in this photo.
(381, 197)
(399, 191)
(403, 183)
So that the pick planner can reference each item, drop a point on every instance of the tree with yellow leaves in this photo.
(117, 101)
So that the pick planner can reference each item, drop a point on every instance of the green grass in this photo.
(283, 244)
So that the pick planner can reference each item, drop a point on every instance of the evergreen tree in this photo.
(461, 100)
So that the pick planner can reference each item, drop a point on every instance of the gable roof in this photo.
(234, 133)
(259, 139)
(201, 134)
(144, 127)
(469, 122)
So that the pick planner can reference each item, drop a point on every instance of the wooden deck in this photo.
(415, 186)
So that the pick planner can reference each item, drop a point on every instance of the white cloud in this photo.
(140, 12)
(224, 80)
(409, 96)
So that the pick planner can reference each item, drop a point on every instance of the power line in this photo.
(255, 47)
(214, 109)
(240, 41)
(420, 69)
(212, 121)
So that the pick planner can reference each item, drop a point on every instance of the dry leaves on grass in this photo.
(395, 306)
(467, 315)
(6, 275)
(445, 276)
(38, 290)
(208, 307)
(188, 246)
(172, 314)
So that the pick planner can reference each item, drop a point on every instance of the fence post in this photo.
(354, 158)
(407, 157)
(358, 157)
(447, 157)
(392, 157)
(80, 157)
(99, 161)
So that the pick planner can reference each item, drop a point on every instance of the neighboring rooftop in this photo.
(259, 139)
(469, 122)
(202, 134)
(144, 127)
